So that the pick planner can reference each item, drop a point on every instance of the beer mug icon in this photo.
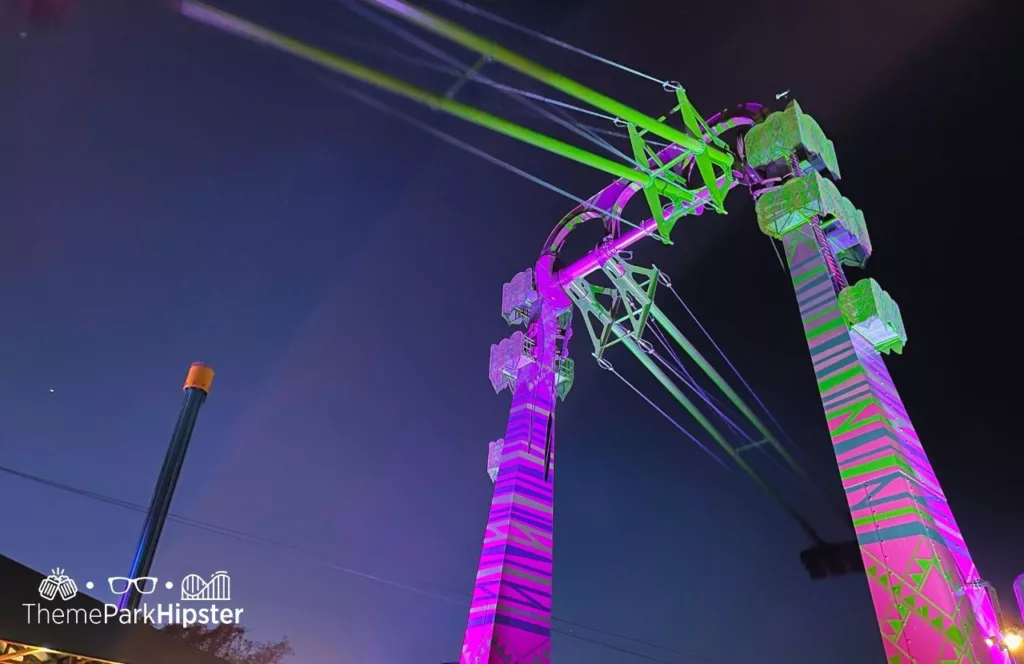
(58, 583)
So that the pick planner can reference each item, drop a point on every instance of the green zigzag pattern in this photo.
(908, 599)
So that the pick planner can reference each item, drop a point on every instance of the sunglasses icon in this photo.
(144, 585)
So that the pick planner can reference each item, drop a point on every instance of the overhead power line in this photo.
(318, 558)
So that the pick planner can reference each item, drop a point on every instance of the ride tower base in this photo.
(918, 567)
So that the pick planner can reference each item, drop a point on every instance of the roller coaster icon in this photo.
(195, 588)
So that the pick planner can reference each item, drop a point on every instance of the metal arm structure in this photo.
(920, 573)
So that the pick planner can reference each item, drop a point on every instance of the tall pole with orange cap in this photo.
(197, 387)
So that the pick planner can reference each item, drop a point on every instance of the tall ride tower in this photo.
(510, 615)
(924, 584)
(921, 575)
(197, 387)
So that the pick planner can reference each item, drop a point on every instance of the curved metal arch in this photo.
(617, 195)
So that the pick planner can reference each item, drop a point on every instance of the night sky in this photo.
(169, 194)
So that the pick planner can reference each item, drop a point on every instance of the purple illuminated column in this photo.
(1018, 592)
(918, 567)
(510, 617)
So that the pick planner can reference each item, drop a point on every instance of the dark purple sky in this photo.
(171, 194)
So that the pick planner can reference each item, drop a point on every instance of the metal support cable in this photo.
(500, 20)
(723, 158)
(705, 397)
(630, 287)
(709, 369)
(606, 365)
(561, 118)
(719, 409)
(731, 366)
(378, 105)
(357, 7)
(631, 344)
(716, 405)
(398, 56)
(841, 510)
(678, 368)
(679, 365)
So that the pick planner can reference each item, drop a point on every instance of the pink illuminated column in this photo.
(510, 616)
(1018, 592)
(919, 570)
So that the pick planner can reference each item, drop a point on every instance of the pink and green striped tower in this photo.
(930, 608)
(510, 615)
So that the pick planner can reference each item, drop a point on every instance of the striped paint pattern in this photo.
(913, 551)
(510, 615)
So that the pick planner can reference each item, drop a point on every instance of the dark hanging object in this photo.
(830, 560)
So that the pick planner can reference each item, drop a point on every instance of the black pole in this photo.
(197, 387)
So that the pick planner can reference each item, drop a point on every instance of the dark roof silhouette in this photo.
(105, 643)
